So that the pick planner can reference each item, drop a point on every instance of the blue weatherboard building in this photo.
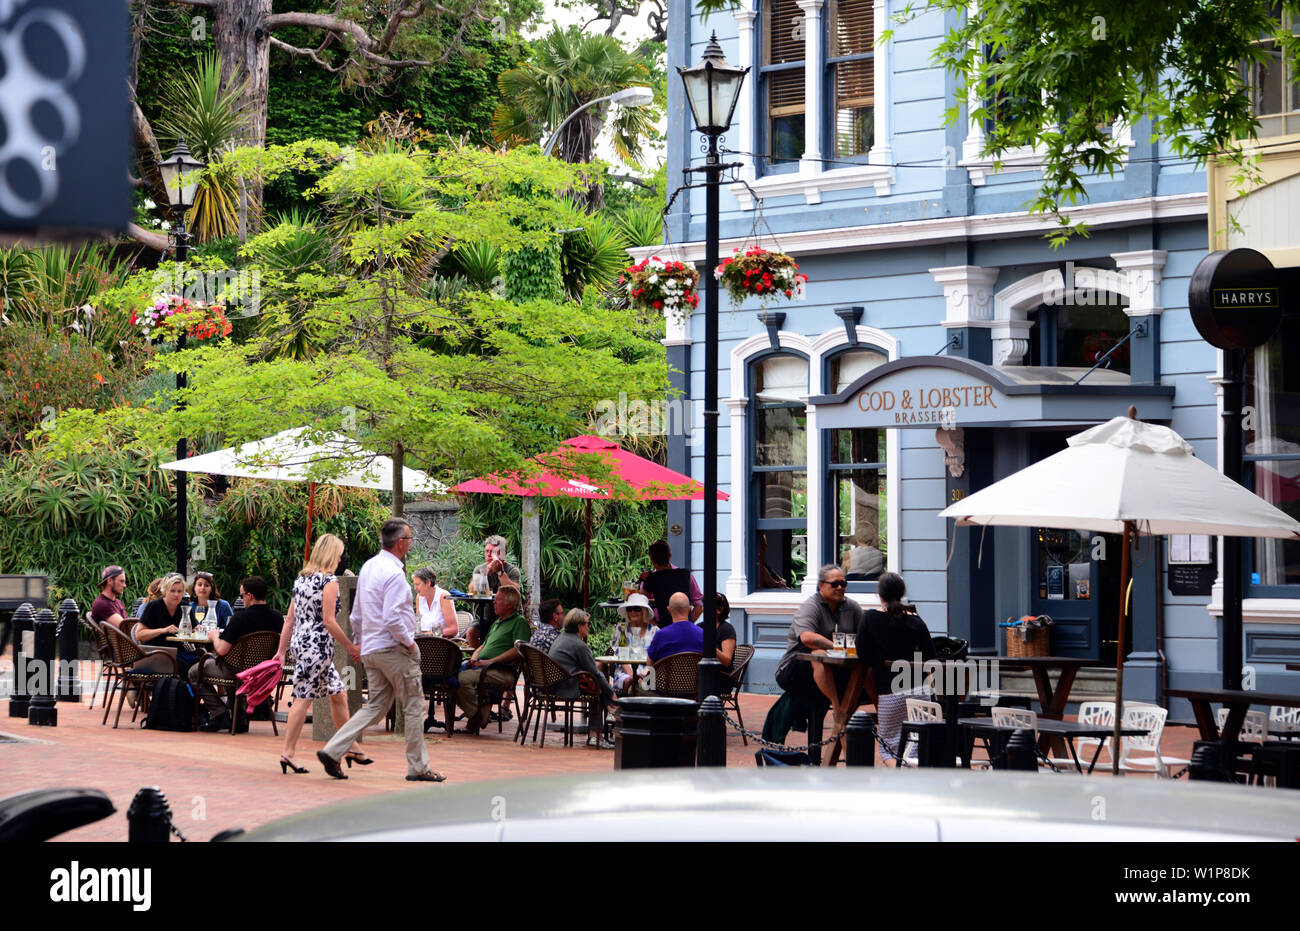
(943, 344)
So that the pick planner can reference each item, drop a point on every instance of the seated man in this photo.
(816, 685)
(571, 652)
(681, 636)
(498, 648)
(550, 621)
(254, 616)
(108, 607)
(493, 572)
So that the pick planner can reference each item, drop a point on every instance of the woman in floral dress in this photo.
(314, 631)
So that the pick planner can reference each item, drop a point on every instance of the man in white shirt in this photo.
(384, 624)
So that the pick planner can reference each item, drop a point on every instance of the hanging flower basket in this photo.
(756, 272)
(655, 284)
(170, 315)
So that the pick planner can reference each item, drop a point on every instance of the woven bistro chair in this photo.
(678, 676)
(501, 696)
(107, 668)
(541, 676)
(248, 651)
(439, 664)
(126, 652)
(736, 677)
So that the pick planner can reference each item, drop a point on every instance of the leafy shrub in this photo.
(42, 373)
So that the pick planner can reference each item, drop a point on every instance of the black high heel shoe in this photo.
(355, 756)
(287, 764)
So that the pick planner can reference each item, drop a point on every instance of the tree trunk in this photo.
(245, 48)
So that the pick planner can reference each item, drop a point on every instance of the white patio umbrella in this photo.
(288, 457)
(1128, 477)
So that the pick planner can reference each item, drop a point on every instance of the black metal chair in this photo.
(542, 675)
(247, 652)
(439, 664)
(678, 676)
(126, 653)
(736, 674)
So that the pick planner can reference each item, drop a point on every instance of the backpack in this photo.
(171, 708)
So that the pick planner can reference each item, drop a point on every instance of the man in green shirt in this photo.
(493, 665)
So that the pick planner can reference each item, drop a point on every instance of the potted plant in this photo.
(170, 315)
(758, 272)
(660, 285)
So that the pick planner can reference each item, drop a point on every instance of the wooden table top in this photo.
(1231, 696)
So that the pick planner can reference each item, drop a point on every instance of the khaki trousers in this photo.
(394, 675)
(470, 682)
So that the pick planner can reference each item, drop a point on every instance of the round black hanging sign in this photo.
(1235, 299)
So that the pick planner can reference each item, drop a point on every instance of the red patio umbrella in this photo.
(647, 481)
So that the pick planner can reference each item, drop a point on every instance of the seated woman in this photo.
(208, 603)
(571, 652)
(724, 632)
(161, 619)
(893, 633)
(640, 622)
(433, 608)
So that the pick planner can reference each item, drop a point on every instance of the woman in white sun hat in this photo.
(640, 623)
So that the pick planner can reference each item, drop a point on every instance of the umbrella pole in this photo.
(586, 561)
(311, 504)
(1124, 573)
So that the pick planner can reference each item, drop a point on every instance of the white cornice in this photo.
(812, 183)
(985, 226)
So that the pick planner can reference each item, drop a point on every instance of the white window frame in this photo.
(813, 178)
(816, 349)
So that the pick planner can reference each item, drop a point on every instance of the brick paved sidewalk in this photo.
(218, 781)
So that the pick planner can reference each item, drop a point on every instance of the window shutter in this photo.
(854, 84)
(785, 36)
(852, 27)
(785, 93)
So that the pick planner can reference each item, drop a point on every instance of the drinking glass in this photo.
(851, 645)
(838, 640)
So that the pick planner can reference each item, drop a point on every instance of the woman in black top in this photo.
(161, 619)
(724, 632)
(893, 633)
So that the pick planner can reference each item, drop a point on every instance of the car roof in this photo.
(804, 803)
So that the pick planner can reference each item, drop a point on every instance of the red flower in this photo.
(658, 305)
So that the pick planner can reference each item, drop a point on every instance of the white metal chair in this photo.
(1284, 722)
(1016, 717)
(1253, 730)
(1142, 754)
(920, 711)
(1092, 712)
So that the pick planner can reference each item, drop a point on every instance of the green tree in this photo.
(457, 382)
(570, 68)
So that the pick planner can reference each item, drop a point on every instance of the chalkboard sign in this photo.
(1191, 579)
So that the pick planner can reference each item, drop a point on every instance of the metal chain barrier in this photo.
(783, 748)
(177, 831)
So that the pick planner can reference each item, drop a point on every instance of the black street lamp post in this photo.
(180, 172)
(712, 90)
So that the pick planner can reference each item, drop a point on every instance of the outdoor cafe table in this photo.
(1058, 730)
(1236, 701)
(1051, 700)
(848, 699)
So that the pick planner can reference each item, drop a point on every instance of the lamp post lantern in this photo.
(627, 97)
(712, 90)
(181, 172)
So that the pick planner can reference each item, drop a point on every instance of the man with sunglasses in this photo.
(810, 632)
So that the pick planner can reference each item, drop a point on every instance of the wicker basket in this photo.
(1028, 641)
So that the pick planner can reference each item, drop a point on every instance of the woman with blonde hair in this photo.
(312, 629)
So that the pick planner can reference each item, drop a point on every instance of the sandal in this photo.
(356, 756)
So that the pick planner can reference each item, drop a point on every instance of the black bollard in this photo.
(711, 733)
(41, 710)
(860, 740)
(149, 819)
(24, 614)
(1020, 753)
(69, 634)
(1207, 762)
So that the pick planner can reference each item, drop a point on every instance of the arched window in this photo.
(778, 470)
(1078, 335)
(856, 495)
